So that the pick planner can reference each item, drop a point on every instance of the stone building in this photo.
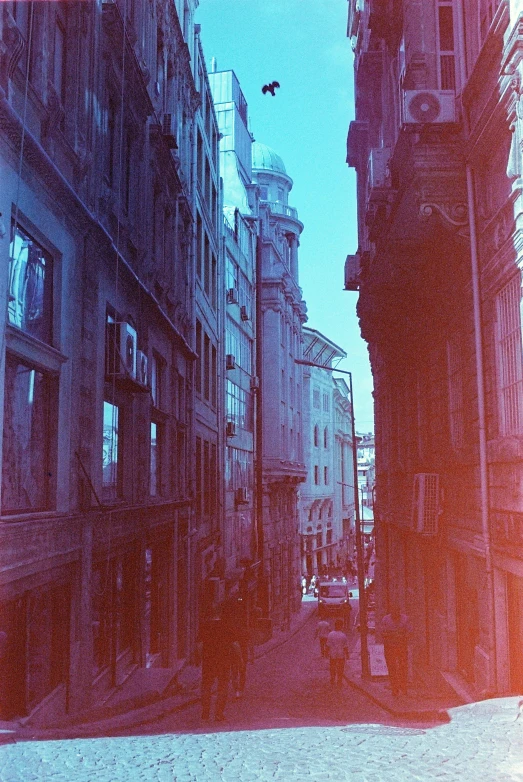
(437, 146)
(209, 369)
(239, 302)
(97, 563)
(282, 313)
(322, 495)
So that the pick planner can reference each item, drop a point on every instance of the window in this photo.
(157, 379)
(329, 537)
(29, 438)
(59, 63)
(199, 360)
(206, 367)
(316, 436)
(326, 405)
(155, 458)
(325, 438)
(319, 539)
(316, 475)
(264, 192)
(446, 45)
(510, 372)
(30, 304)
(112, 450)
(326, 475)
(455, 385)
(316, 398)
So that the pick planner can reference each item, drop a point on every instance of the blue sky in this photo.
(303, 45)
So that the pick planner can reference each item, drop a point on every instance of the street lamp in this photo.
(360, 561)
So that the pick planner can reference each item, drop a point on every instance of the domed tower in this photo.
(268, 172)
(281, 314)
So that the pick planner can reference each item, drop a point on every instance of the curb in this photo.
(439, 715)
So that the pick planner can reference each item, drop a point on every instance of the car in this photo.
(334, 598)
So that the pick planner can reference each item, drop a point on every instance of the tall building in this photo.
(97, 105)
(209, 369)
(437, 146)
(326, 433)
(282, 312)
(240, 537)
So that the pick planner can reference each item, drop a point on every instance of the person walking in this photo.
(396, 628)
(323, 628)
(338, 649)
(217, 638)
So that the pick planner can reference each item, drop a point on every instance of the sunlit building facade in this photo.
(283, 312)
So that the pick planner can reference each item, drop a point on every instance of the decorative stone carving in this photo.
(12, 45)
(455, 214)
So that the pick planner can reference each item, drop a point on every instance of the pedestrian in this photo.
(216, 637)
(338, 648)
(396, 628)
(323, 628)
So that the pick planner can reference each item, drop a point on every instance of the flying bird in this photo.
(270, 88)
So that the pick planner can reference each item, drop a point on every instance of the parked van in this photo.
(333, 598)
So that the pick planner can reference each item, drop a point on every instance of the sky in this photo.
(303, 45)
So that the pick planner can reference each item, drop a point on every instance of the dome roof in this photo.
(263, 157)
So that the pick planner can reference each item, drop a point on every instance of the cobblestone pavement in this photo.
(289, 725)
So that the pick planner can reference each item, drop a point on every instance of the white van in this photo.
(333, 598)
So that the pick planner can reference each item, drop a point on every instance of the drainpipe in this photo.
(480, 371)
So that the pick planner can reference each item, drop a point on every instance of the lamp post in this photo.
(365, 667)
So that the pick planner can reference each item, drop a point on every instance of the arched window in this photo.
(316, 436)
(326, 438)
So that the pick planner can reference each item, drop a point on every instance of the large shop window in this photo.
(30, 303)
(35, 658)
(29, 461)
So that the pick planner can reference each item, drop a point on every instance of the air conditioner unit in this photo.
(141, 367)
(242, 496)
(425, 503)
(232, 296)
(121, 340)
(255, 383)
(352, 272)
(230, 429)
(169, 131)
(421, 107)
(379, 174)
(244, 315)
(230, 363)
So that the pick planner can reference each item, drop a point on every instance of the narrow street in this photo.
(290, 724)
(288, 686)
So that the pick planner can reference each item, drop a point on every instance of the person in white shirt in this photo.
(338, 649)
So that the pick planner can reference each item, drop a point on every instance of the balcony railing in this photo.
(283, 209)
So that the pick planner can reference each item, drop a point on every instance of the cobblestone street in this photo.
(290, 724)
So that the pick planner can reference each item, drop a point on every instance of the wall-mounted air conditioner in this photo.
(232, 296)
(379, 174)
(230, 429)
(230, 362)
(169, 130)
(425, 503)
(121, 342)
(244, 315)
(422, 107)
(242, 496)
(141, 367)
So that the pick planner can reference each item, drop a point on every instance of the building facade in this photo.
(436, 144)
(239, 297)
(97, 107)
(325, 430)
(281, 313)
